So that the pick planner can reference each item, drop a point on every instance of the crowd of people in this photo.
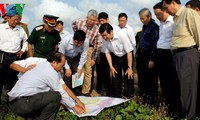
(37, 69)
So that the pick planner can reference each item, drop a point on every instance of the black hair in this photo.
(105, 27)
(79, 35)
(55, 56)
(103, 15)
(169, 1)
(122, 15)
(193, 3)
(59, 21)
(159, 6)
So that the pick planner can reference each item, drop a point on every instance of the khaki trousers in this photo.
(88, 72)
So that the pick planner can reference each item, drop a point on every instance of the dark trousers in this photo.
(42, 105)
(147, 78)
(103, 74)
(186, 65)
(169, 86)
(7, 75)
(73, 64)
(198, 93)
(121, 63)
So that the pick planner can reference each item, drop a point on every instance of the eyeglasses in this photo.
(78, 42)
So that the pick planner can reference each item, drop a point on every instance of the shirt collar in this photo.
(150, 22)
(115, 35)
(169, 19)
(178, 13)
(85, 24)
(125, 27)
(8, 27)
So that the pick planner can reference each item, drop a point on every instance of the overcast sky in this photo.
(69, 10)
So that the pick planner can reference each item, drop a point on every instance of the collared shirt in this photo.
(104, 42)
(120, 44)
(131, 34)
(63, 34)
(69, 49)
(149, 37)
(40, 79)
(165, 33)
(43, 41)
(186, 29)
(30, 61)
(10, 39)
(92, 34)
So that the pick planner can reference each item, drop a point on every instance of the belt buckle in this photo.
(174, 51)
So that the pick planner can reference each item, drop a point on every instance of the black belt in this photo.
(9, 54)
(159, 50)
(178, 50)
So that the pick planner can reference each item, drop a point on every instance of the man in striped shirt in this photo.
(92, 34)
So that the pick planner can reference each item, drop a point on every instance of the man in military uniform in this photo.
(44, 38)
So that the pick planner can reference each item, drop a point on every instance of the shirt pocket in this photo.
(119, 47)
(17, 40)
(42, 41)
(180, 30)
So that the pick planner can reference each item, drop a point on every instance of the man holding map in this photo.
(75, 49)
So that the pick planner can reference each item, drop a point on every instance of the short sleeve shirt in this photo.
(44, 42)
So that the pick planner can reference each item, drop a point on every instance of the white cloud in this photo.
(69, 10)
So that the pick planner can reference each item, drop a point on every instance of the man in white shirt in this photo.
(60, 28)
(123, 25)
(118, 51)
(23, 66)
(11, 36)
(169, 85)
(39, 91)
(75, 49)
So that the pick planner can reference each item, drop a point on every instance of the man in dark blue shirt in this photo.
(147, 75)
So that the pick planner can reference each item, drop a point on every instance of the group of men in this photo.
(42, 82)
(168, 51)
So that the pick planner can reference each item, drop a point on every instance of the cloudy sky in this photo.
(69, 10)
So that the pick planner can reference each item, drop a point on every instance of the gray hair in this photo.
(92, 13)
(145, 11)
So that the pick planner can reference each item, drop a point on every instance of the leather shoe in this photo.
(87, 94)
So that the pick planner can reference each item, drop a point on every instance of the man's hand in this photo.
(113, 71)
(129, 71)
(19, 54)
(82, 105)
(92, 62)
(68, 72)
(79, 71)
(30, 67)
(151, 64)
(79, 110)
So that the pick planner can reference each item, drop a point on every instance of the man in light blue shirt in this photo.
(75, 48)
(39, 92)
(118, 51)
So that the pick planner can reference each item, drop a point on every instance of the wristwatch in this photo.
(130, 67)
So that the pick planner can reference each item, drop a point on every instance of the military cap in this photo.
(50, 19)
(11, 10)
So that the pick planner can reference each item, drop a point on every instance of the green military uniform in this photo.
(43, 41)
